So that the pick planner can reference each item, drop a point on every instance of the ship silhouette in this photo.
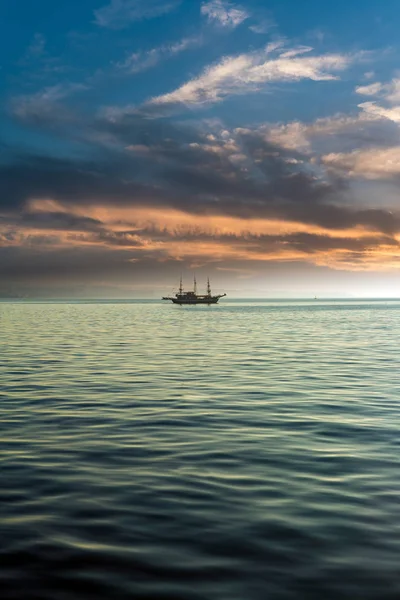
(192, 297)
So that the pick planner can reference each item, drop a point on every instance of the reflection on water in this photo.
(241, 451)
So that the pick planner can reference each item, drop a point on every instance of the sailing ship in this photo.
(192, 297)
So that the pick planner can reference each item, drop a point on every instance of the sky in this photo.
(254, 142)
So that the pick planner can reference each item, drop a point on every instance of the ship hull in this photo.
(195, 301)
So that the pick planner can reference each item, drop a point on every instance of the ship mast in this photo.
(194, 284)
(208, 287)
(180, 287)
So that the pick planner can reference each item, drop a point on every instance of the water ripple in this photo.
(242, 451)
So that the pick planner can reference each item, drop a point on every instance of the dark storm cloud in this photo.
(69, 272)
(382, 133)
(334, 217)
(308, 243)
(155, 162)
(69, 181)
(36, 271)
(53, 220)
(66, 264)
(277, 182)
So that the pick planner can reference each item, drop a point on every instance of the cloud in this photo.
(369, 90)
(224, 13)
(37, 47)
(392, 91)
(167, 191)
(215, 241)
(264, 26)
(252, 243)
(55, 221)
(373, 163)
(249, 72)
(388, 91)
(336, 132)
(145, 191)
(143, 61)
(300, 136)
(375, 110)
(44, 106)
(71, 182)
(119, 14)
(240, 175)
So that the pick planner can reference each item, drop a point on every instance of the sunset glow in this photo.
(234, 150)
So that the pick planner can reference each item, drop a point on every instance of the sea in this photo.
(244, 451)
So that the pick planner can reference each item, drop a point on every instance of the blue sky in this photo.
(252, 140)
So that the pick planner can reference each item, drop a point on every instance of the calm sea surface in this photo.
(240, 451)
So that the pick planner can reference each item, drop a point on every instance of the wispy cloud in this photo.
(45, 103)
(388, 94)
(37, 47)
(35, 52)
(388, 91)
(142, 61)
(374, 109)
(249, 72)
(263, 26)
(119, 14)
(224, 13)
(369, 90)
(38, 62)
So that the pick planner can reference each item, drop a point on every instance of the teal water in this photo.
(239, 451)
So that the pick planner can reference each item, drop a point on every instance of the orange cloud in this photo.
(171, 234)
